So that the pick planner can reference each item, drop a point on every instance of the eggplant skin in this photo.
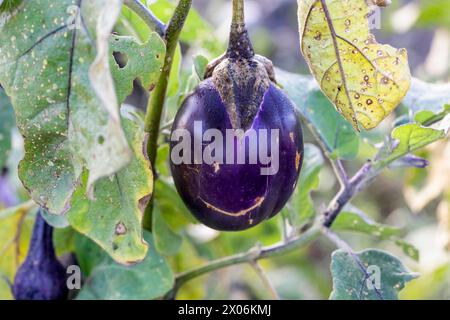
(233, 197)
(41, 276)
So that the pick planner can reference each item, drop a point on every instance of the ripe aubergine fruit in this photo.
(41, 276)
(239, 95)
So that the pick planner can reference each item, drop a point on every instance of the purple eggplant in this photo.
(236, 143)
(41, 276)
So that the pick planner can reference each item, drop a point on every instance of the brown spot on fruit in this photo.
(258, 202)
(297, 160)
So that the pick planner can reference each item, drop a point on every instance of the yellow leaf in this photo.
(15, 234)
(364, 79)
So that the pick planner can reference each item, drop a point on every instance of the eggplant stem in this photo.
(157, 99)
(238, 12)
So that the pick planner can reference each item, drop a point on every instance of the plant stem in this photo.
(238, 12)
(158, 97)
(254, 254)
(265, 279)
(336, 164)
(359, 181)
(146, 15)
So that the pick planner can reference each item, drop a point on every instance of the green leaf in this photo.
(434, 13)
(167, 242)
(131, 24)
(162, 160)
(64, 240)
(200, 63)
(172, 207)
(8, 5)
(350, 221)
(408, 249)
(88, 254)
(425, 96)
(429, 104)
(338, 135)
(409, 138)
(114, 219)
(364, 79)
(356, 222)
(143, 62)
(196, 31)
(354, 275)
(56, 221)
(54, 65)
(300, 209)
(7, 123)
(150, 279)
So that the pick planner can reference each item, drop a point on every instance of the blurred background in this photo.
(418, 201)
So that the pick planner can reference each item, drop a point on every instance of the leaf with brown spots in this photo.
(114, 219)
(368, 275)
(47, 49)
(365, 80)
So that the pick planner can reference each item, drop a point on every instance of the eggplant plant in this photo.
(155, 153)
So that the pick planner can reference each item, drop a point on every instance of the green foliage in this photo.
(434, 13)
(167, 242)
(197, 32)
(45, 70)
(114, 218)
(356, 222)
(300, 209)
(6, 125)
(150, 279)
(338, 135)
(143, 62)
(354, 274)
(9, 5)
(406, 139)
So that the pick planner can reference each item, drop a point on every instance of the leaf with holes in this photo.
(364, 79)
(367, 275)
(142, 62)
(339, 137)
(6, 125)
(150, 279)
(54, 65)
(114, 219)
